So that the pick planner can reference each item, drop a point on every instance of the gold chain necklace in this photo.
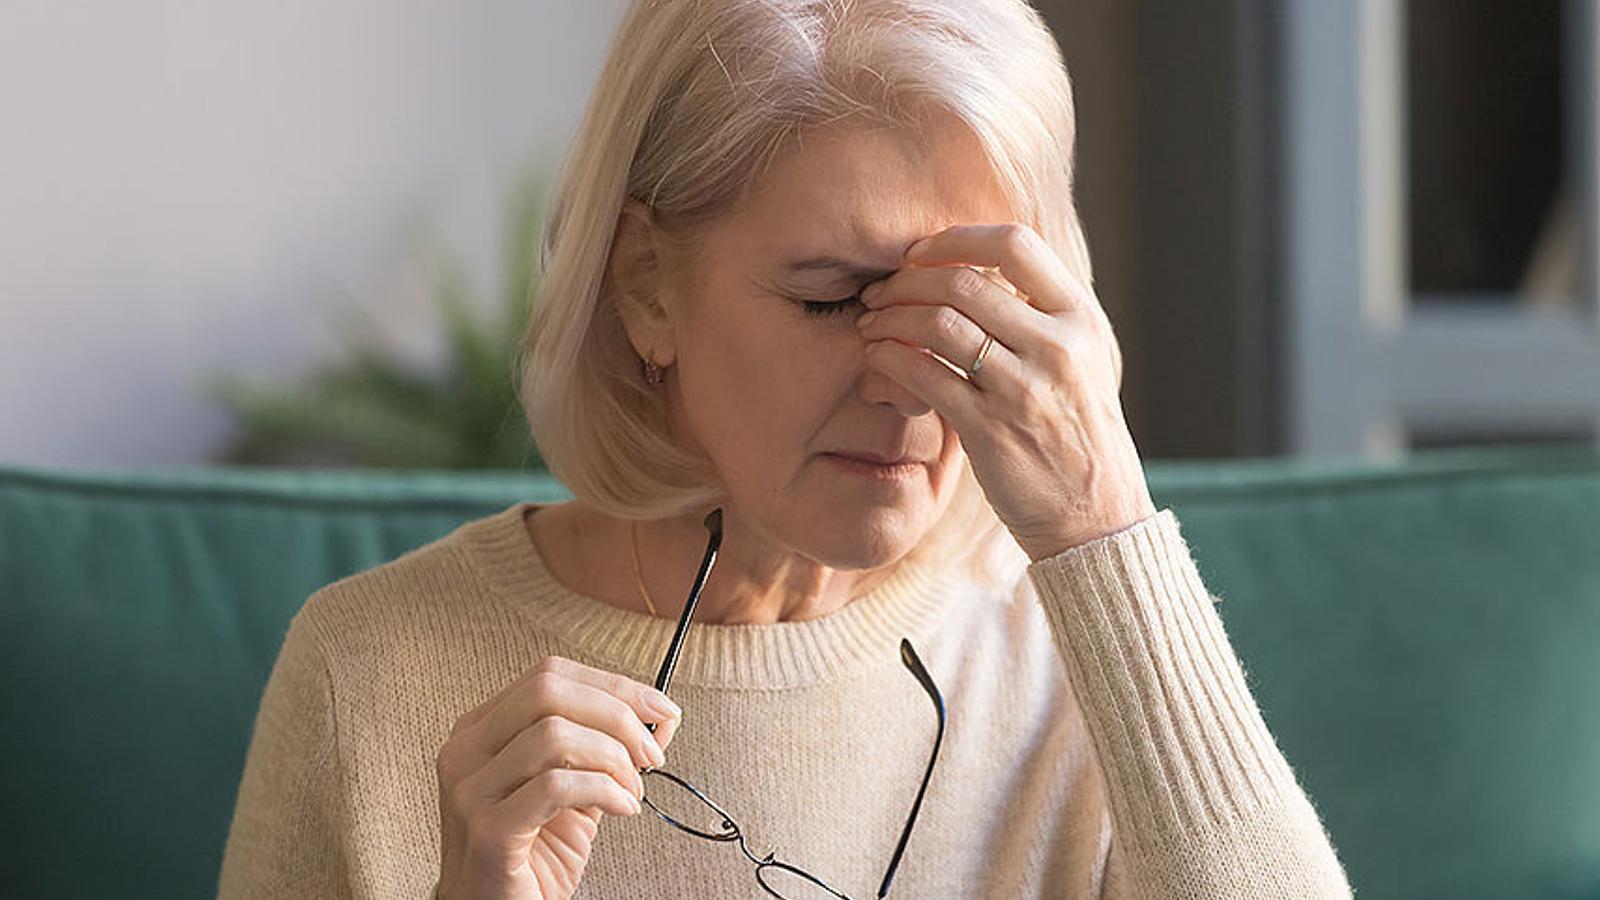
(636, 576)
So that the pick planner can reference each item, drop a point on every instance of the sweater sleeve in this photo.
(1203, 804)
(285, 839)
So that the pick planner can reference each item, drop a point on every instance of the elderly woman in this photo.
(817, 355)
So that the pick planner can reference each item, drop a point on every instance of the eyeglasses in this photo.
(683, 806)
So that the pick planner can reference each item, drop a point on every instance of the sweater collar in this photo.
(864, 634)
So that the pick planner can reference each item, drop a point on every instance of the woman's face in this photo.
(769, 388)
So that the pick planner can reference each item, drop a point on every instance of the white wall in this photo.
(186, 186)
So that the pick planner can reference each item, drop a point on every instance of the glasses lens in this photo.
(792, 884)
(673, 799)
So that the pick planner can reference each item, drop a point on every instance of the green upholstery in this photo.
(1423, 638)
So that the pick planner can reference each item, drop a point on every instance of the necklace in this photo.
(636, 576)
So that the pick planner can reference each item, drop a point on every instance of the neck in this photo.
(755, 581)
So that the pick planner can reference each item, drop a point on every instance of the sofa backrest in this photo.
(1422, 638)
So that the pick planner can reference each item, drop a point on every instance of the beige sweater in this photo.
(1101, 741)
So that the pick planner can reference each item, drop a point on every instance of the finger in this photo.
(931, 381)
(951, 335)
(634, 692)
(665, 731)
(553, 742)
(980, 298)
(638, 694)
(516, 693)
(520, 816)
(1020, 253)
(552, 694)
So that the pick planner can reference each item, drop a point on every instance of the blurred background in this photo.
(297, 232)
(1352, 239)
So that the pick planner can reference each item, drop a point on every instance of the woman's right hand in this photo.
(524, 778)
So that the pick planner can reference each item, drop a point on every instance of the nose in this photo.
(876, 387)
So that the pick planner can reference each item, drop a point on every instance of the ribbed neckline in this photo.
(865, 634)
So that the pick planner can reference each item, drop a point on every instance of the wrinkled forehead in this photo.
(862, 196)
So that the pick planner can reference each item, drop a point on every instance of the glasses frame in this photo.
(731, 830)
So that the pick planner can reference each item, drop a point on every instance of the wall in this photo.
(1177, 185)
(195, 185)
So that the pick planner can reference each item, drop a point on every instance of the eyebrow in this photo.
(848, 267)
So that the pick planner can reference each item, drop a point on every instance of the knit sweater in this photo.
(1101, 741)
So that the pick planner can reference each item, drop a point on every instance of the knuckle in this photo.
(947, 322)
(543, 688)
(1074, 352)
(621, 686)
(1018, 238)
(459, 799)
(555, 783)
(967, 282)
(641, 693)
(550, 731)
(619, 715)
(1056, 353)
(627, 734)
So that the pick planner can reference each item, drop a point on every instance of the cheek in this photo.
(785, 362)
(764, 390)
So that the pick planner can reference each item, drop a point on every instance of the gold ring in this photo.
(983, 353)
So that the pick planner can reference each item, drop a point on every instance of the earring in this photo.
(652, 372)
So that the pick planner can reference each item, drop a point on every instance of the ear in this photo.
(636, 274)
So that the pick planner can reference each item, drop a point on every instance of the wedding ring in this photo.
(983, 353)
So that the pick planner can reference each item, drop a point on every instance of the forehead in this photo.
(864, 194)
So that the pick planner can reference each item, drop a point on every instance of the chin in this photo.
(871, 540)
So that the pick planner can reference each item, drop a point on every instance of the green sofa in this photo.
(1423, 638)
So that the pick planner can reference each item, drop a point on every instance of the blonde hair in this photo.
(694, 101)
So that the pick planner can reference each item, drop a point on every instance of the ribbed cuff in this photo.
(1181, 741)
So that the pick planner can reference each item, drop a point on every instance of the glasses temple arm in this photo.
(909, 657)
(713, 523)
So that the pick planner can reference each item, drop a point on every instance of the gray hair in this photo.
(694, 101)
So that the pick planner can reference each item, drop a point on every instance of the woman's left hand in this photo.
(1041, 420)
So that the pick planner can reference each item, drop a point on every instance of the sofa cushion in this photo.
(1421, 638)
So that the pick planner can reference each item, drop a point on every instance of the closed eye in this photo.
(830, 307)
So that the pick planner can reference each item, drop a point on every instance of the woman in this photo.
(814, 264)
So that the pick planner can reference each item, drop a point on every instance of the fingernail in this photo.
(871, 291)
(866, 318)
(633, 802)
(662, 704)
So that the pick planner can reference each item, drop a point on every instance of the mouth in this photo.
(876, 467)
(878, 458)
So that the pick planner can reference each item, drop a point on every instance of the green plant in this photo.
(372, 410)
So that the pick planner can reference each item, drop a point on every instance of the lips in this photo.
(879, 458)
